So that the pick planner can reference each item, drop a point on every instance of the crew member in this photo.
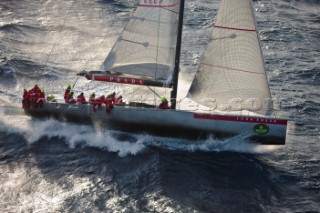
(51, 98)
(41, 98)
(81, 99)
(67, 92)
(112, 97)
(164, 104)
(100, 101)
(70, 98)
(36, 89)
(109, 105)
(92, 101)
(26, 99)
(118, 101)
(92, 98)
(33, 97)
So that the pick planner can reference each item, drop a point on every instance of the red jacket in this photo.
(32, 95)
(164, 105)
(111, 97)
(42, 95)
(70, 100)
(66, 93)
(92, 101)
(81, 99)
(118, 100)
(26, 95)
(36, 89)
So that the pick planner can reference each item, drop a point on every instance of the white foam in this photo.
(73, 134)
(235, 144)
(82, 134)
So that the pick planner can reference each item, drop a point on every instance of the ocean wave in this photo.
(7, 76)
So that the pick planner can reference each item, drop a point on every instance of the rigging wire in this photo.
(90, 57)
(75, 82)
(56, 40)
(154, 92)
(63, 23)
(157, 55)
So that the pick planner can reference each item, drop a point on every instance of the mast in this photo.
(174, 91)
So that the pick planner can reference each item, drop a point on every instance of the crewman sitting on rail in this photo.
(51, 98)
(34, 95)
(109, 105)
(41, 98)
(66, 93)
(92, 98)
(112, 97)
(100, 101)
(32, 98)
(81, 99)
(36, 89)
(119, 101)
(164, 104)
(26, 99)
(92, 101)
(70, 99)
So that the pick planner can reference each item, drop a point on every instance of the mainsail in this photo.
(232, 73)
(146, 48)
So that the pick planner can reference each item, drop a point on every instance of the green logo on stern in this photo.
(261, 129)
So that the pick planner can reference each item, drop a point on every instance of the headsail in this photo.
(232, 73)
(146, 47)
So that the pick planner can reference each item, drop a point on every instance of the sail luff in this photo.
(259, 42)
(232, 73)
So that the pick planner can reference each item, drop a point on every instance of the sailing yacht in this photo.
(230, 84)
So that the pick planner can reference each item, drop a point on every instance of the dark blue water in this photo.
(52, 166)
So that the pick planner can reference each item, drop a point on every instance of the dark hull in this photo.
(170, 123)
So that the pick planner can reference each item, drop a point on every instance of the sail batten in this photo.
(147, 45)
(232, 70)
(159, 6)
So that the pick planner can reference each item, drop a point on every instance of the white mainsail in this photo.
(232, 73)
(146, 48)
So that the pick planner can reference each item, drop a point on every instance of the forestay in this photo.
(232, 73)
(146, 48)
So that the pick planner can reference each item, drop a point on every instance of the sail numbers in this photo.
(153, 2)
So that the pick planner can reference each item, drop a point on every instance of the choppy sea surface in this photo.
(53, 166)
